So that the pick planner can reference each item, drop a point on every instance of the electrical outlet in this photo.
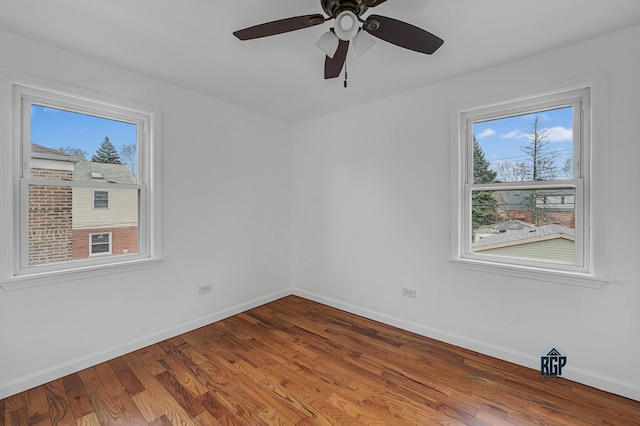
(205, 289)
(409, 292)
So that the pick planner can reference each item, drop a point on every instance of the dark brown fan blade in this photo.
(373, 3)
(333, 67)
(279, 27)
(402, 34)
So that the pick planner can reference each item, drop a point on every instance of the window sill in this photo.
(558, 277)
(19, 282)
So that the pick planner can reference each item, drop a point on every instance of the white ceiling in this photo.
(189, 43)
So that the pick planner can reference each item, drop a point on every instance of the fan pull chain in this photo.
(345, 74)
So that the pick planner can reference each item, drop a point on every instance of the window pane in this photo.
(60, 139)
(100, 243)
(63, 223)
(528, 147)
(99, 248)
(536, 224)
(99, 238)
(100, 199)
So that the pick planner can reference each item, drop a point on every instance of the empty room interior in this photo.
(319, 212)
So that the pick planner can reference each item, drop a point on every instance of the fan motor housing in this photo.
(334, 7)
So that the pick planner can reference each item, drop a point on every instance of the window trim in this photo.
(15, 85)
(587, 275)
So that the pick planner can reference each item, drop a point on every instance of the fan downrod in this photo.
(334, 7)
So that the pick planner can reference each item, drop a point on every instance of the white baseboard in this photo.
(38, 378)
(589, 378)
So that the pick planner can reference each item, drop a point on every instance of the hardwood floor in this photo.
(297, 362)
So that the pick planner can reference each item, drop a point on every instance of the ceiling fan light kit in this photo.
(362, 42)
(348, 14)
(346, 25)
(328, 43)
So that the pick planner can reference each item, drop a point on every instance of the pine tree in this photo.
(484, 204)
(107, 153)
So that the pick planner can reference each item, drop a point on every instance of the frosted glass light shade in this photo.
(328, 43)
(362, 42)
(346, 26)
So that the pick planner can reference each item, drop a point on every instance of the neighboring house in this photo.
(50, 213)
(497, 228)
(550, 208)
(105, 220)
(77, 223)
(549, 242)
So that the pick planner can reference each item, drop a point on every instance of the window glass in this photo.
(528, 223)
(523, 148)
(83, 197)
(100, 199)
(101, 243)
(61, 138)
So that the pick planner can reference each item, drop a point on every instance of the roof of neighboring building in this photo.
(509, 225)
(528, 235)
(103, 172)
(42, 152)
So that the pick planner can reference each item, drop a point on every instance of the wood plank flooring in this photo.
(296, 362)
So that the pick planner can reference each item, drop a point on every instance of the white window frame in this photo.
(91, 244)
(94, 199)
(15, 149)
(584, 272)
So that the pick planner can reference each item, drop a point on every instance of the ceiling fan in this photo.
(348, 15)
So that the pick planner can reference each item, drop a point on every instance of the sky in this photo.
(55, 128)
(501, 139)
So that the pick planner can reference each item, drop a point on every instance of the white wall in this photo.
(226, 196)
(371, 215)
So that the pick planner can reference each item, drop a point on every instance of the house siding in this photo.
(557, 249)
(122, 210)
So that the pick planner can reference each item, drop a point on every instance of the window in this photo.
(85, 175)
(524, 191)
(100, 243)
(100, 199)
